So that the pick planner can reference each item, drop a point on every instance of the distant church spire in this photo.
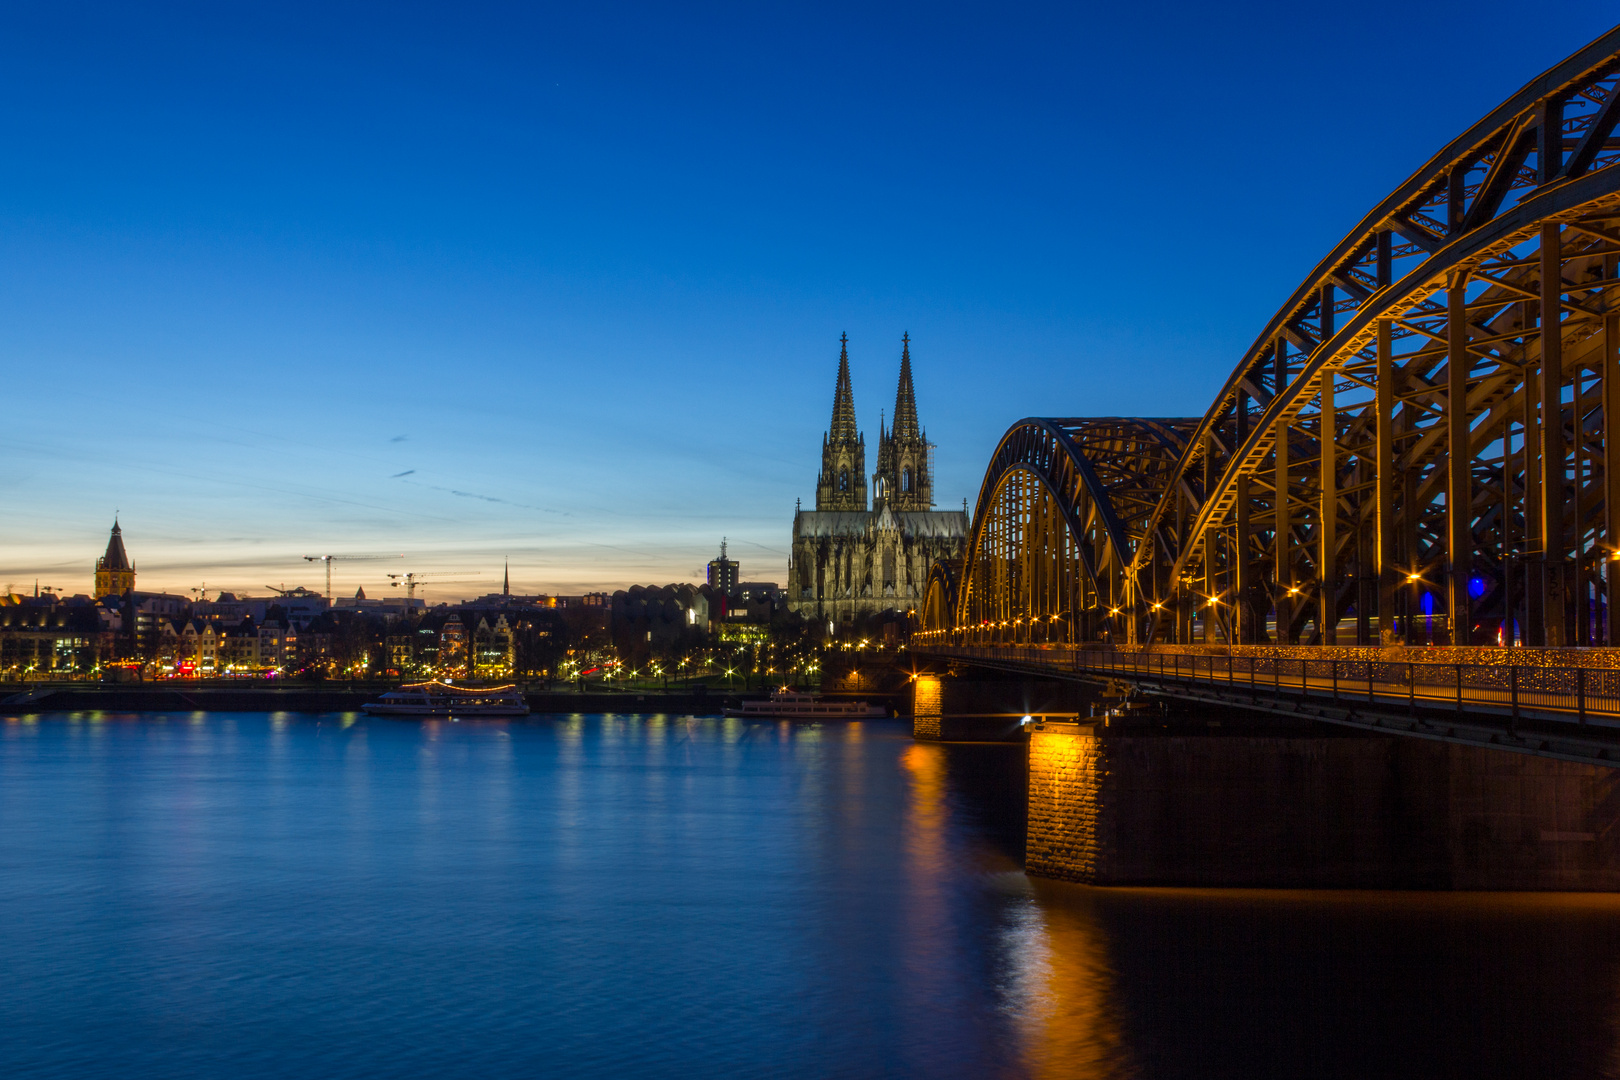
(116, 558)
(115, 574)
(506, 579)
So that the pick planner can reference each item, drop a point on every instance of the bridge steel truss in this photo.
(1061, 512)
(1426, 435)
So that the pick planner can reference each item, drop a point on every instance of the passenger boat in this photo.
(787, 705)
(442, 699)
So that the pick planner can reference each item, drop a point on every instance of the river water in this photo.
(274, 895)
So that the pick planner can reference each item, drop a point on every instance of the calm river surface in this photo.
(282, 895)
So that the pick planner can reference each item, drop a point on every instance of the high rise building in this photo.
(115, 574)
(723, 572)
(848, 560)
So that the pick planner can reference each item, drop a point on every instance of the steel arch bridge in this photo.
(1425, 435)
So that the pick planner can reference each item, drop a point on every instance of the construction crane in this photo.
(413, 579)
(329, 559)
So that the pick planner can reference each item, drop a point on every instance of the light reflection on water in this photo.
(261, 895)
(1060, 993)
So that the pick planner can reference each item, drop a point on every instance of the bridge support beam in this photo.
(1327, 537)
(1611, 463)
(1243, 613)
(1459, 480)
(1282, 544)
(1384, 480)
(1551, 430)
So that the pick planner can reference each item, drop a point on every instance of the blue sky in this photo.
(565, 284)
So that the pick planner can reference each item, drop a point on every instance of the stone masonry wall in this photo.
(1067, 773)
(1352, 812)
(925, 707)
(1521, 822)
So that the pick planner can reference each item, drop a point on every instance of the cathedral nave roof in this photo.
(914, 524)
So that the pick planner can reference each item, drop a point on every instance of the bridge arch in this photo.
(1059, 515)
(939, 598)
(1425, 435)
(1383, 452)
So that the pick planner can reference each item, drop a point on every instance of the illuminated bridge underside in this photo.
(1425, 436)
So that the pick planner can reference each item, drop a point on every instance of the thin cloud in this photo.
(481, 498)
(399, 438)
(397, 475)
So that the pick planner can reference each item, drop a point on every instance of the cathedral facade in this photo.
(849, 560)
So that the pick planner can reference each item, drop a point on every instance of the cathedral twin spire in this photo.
(902, 479)
(843, 429)
(905, 398)
(842, 483)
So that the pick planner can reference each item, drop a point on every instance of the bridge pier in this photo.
(1111, 806)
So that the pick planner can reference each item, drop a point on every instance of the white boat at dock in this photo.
(790, 705)
(442, 699)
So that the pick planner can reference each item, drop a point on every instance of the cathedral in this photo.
(847, 560)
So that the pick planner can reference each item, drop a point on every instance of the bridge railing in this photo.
(1544, 689)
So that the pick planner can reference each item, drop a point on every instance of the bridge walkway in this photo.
(1558, 710)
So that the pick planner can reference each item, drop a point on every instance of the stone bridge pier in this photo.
(1185, 794)
(1112, 806)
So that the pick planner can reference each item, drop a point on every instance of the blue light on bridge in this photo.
(1476, 586)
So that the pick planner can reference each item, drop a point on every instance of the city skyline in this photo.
(796, 541)
(383, 573)
(567, 287)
